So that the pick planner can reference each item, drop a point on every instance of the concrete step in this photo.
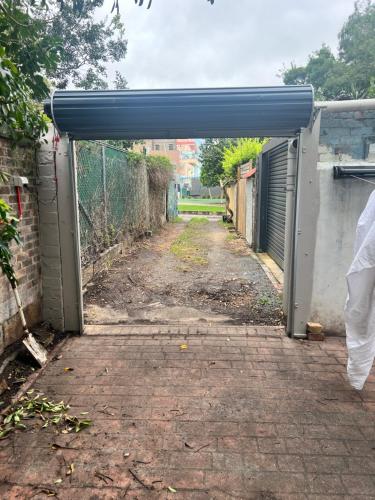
(193, 329)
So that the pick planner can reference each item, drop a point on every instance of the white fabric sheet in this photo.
(360, 304)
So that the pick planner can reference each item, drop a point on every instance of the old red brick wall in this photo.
(21, 161)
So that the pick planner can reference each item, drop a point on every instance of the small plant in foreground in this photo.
(264, 300)
(177, 219)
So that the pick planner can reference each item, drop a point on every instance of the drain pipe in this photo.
(292, 252)
(342, 106)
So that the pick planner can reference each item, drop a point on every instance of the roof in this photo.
(182, 113)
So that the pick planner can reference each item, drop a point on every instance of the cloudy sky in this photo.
(191, 43)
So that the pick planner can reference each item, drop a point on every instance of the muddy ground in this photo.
(215, 279)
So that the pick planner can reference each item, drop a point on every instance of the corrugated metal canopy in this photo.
(182, 113)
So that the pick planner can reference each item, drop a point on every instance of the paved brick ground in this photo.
(241, 413)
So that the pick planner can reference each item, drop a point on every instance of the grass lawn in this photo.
(215, 209)
(202, 201)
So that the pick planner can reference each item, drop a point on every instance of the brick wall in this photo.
(21, 161)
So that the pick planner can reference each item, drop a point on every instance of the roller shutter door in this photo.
(276, 202)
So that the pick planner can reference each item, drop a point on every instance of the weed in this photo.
(228, 225)
(176, 219)
(264, 300)
(197, 221)
(188, 246)
(232, 236)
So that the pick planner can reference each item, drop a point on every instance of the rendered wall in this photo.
(344, 140)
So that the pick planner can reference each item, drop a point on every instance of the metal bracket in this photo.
(340, 172)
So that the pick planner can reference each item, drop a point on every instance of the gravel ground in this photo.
(151, 284)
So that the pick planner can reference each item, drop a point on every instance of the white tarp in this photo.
(360, 304)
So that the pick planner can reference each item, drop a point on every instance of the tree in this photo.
(20, 117)
(31, 30)
(25, 44)
(351, 74)
(120, 81)
(211, 157)
(357, 45)
(116, 5)
(86, 45)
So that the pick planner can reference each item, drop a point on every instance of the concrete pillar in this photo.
(59, 234)
(304, 234)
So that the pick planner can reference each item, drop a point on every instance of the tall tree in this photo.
(211, 157)
(357, 45)
(351, 75)
(116, 5)
(81, 46)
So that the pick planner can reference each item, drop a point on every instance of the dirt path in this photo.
(189, 272)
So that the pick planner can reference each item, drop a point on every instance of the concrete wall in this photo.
(344, 140)
(49, 235)
(59, 234)
(21, 161)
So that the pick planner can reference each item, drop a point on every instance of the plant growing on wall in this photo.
(8, 234)
(159, 171)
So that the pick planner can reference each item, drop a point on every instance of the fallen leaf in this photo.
(183, 346)
(3, 386)
(48, 492)
(58, 481)
(68, 369)
(172, 490)
(70, 470)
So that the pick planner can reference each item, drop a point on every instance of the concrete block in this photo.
(51, 250)
(47, 217)
(48, 183)
(46, 169)
(49, 234)
(48, 196)
(362, 132)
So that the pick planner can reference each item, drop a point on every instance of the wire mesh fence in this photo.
(113, 197)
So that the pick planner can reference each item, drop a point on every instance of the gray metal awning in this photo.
(182, 113)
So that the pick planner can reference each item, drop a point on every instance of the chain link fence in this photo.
(113, 197)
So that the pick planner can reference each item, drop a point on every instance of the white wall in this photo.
(341, 203)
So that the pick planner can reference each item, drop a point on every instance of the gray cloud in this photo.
(189, 43)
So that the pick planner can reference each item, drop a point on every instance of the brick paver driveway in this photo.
(241, 413)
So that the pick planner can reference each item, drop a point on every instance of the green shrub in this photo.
(243, 151)
(159, 170)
